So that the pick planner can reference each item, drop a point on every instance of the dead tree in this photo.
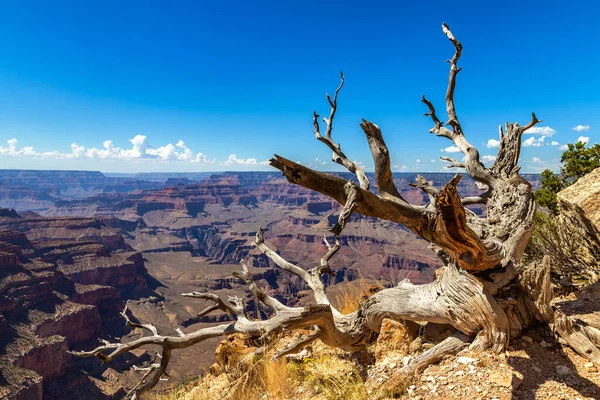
(482, 290)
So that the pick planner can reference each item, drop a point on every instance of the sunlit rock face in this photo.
(63, 282)
(585, 193)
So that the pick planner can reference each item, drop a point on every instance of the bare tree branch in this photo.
(331, 251)
(150, 328)
(234, 304)
(509, 150)
(438, 128)
(427, 187)
(370, 204)
(312, 277)
(454, 70)
(352, 201)
(453, 162)
(473, 164)
(260, 295)
(381, 159)
(437, 226)
(338, 155)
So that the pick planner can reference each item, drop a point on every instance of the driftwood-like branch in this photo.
(154, 374)
(535, 279)
(338, 155)
(325, 268)
(509, 150)
(381, 159)
(438, 127)
(453, 162)
(150, 328)
(453, 234)
(445, 226)
(427, 187)
(234, 305)
(352, 201)
(454, 70)
(449, 346)
(312, 277)
(370, 204)
(258, 293)
(473, 164)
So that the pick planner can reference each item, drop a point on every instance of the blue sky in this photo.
(200, 86)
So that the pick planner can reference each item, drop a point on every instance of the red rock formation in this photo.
(44, 311)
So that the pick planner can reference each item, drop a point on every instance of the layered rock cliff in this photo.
(63, 282)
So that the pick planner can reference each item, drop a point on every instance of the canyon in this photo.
(77, 246)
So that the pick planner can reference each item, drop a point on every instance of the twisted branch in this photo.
(381, 160)
(338, 155)
(473, 165)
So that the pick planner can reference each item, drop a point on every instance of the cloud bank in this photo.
(140, 150)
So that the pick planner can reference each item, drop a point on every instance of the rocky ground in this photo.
(533, 368)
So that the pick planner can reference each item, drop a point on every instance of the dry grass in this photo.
(329, 374)
(351, 294)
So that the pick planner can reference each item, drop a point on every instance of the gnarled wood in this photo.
(584, 339)
(482, 290)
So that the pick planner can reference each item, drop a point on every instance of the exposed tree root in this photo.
(581, 337)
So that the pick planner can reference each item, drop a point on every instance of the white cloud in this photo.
(432, 160)
(584, 139)
(489, 158)
(202, 159)
(540, 130)
(536, 160)
(554, 143)
(564, 147)
(581, 128)
(140, 149)
(533, 142)
(451, 149)
(11, 149)
(232, 159)
(320, 161)
(418, 161)
(492, 143)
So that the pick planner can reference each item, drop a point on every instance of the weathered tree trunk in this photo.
(482, 290)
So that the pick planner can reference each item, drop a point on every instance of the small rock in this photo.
(537, 369)
(527, 339)
(415, 345)
(215, 369)
(562, 370)
(466, 360)
(590, 367)
(405, 361)
(507, 379)
(543, 343)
